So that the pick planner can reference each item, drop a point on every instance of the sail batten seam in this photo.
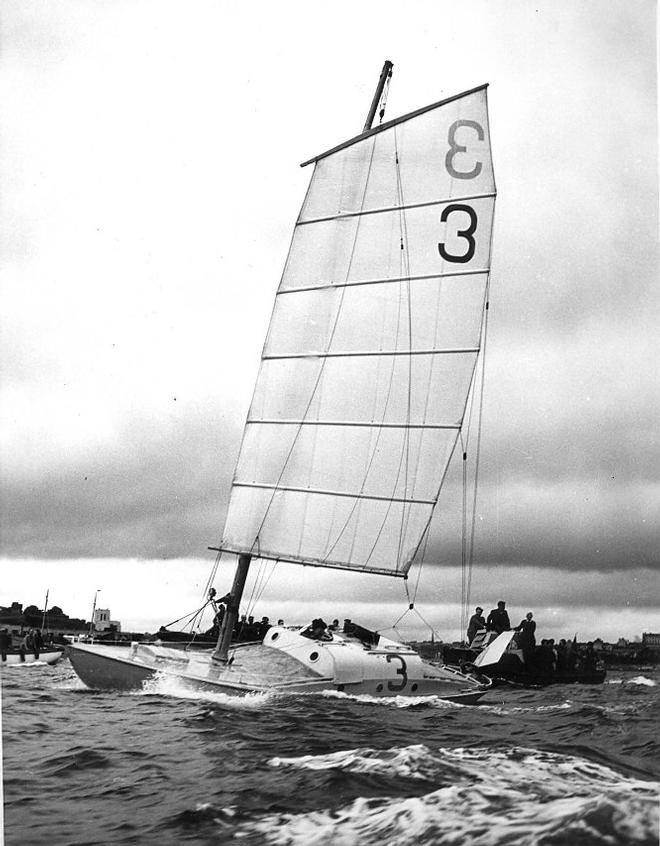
(371, 425)
(385, 281)
(291, 489)
(368, 353)
(385, 209)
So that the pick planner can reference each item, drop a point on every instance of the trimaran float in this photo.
(359, 403)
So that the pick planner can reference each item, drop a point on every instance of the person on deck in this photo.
(589, 659)
(251, 631)
(317, 630)
(5, 643)
(476, 623)
(262, 627)
(498, 619)
(27, 644)
(527, 637)
(239, 628)
(562, 656)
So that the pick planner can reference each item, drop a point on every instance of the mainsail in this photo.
(371, 350)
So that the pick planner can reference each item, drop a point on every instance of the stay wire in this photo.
(478, 449)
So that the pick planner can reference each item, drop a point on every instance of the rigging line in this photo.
(250, 604)
(427, 399)
(484, 339)
(425, 621)
(478, 447)
(261, 582)
(421, 560)
(435, 502)
(396, 623)
(213, 573)
(329, 344)
(191, 615)
(404, 269)
(252, 601)
(266, 581)
(464, 546)
(465, 438)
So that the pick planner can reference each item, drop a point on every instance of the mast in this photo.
(224, 637)
(91, 622)
(43, 619)
(384, 74)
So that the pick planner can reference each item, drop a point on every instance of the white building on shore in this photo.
(102, 621)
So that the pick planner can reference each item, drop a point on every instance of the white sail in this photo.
(372, 346)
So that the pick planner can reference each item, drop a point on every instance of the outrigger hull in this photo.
(286, 662)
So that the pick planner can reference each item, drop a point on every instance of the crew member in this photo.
(527, 637)
(498, 619)
(476, 622)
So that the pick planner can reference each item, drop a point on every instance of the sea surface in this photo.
(570, 764)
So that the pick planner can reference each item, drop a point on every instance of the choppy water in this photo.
(572, 765)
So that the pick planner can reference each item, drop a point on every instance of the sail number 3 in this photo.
(466, 234)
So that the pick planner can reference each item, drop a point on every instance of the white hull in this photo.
(285, 662)
(48, 656)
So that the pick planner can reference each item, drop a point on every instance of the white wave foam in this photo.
(454, 816)
(520, 795)
(71, 684)
(526, 709)
(410, 761)
(164, 684)
(642, 680)
(392, 701)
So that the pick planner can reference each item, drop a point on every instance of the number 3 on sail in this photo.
(475, 135)
(467, 233)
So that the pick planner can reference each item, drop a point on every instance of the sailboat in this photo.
(359, 403)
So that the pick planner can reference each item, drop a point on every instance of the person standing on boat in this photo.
(476, 623)
(498, 619)
(5, 643)
(527, 637)
(27, 644)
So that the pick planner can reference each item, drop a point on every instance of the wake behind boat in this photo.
(366, 374)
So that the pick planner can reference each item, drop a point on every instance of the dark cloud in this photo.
(160, 493)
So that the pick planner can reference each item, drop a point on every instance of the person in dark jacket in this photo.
(498, 619)
(476, 623)
(5, 643)
(527, 637)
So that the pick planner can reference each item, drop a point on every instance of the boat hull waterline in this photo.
(286, 662)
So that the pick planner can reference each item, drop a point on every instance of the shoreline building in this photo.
(102, 621)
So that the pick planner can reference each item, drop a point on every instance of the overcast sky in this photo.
(149, 163)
